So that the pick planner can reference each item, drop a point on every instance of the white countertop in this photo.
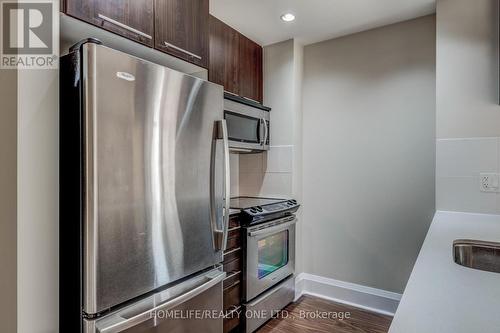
(444, 297)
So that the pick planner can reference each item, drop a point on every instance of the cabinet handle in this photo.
(252, 100)
(172, 46)
(124, 26)
(232, 251)
(231, 93)
(233, 311)
(232, 275)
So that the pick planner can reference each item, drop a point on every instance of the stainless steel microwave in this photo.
(247, 124)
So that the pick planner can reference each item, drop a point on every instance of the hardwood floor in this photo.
(359, 321)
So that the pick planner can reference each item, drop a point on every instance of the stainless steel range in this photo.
(269, 256)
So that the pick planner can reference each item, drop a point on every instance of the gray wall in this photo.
(468, 111)
(369, 153)
(8, 200)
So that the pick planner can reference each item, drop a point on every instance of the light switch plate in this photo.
(489, 182)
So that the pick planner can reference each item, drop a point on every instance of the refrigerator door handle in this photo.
(217, 233)
(220, 235)
(140, 318)
(227, 182)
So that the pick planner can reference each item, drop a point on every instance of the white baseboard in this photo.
(371, 299)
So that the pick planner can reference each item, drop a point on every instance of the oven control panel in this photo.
(264, 213)
(282, 206)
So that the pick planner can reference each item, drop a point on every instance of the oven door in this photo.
(270, 255)
(248, 128)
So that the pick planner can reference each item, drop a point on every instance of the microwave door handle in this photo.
(262, 129)
(124, 324)
(263, 123)
(266, 131)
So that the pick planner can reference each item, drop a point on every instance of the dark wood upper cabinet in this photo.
(250, 69)
(235, 61)
(184, 29)
(224, 55)
(181, 29)
(132, 19)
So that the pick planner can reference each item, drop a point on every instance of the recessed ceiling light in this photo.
(288, 17)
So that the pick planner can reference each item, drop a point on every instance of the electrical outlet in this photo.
(488, 182)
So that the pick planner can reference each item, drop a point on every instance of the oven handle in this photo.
(274, 228)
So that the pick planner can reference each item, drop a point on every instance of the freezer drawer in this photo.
(262, 308)
(192, 306)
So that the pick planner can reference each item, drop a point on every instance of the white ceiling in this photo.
(316, 20)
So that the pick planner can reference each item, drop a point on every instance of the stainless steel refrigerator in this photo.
(144, 195)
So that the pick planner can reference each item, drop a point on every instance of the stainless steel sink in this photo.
(475, 254)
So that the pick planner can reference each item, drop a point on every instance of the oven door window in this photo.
(272, 253)
(242, 128)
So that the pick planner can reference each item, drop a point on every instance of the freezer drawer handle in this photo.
(149, 314)
(124, 26)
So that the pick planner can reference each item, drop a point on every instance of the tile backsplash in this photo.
(459, 163)
(267, 174)
(234, 160)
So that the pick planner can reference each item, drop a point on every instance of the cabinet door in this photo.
(181, 29)
(224, 56)
(251, 76)
(132, 19)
